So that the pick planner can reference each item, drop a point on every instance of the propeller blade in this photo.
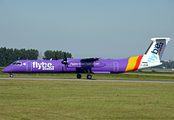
(64, 60)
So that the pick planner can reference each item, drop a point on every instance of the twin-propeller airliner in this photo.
(151, 58)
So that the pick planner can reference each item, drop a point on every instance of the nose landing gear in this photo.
(11, 75)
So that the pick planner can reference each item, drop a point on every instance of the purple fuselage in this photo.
(73, 66)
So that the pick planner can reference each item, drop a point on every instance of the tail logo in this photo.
(152, 58)
(156, 51)
(158, 48)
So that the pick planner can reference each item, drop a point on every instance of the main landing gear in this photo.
(88, 76)
(79, 76)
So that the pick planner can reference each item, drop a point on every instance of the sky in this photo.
(87, 28)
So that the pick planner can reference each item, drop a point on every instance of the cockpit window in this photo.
(13, 63)
(17, 63)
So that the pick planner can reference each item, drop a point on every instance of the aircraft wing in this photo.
(87, 62)
(89, 59)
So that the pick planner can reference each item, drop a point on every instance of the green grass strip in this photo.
(76, 100)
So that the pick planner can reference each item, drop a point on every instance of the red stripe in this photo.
(138, 62)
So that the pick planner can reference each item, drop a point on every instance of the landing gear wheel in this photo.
(11, 75)
(79, 76)
(89, 76)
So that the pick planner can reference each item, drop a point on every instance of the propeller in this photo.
(65, 60)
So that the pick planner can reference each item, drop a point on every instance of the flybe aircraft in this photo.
(151, 58)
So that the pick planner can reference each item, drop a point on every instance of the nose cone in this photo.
(5, 70)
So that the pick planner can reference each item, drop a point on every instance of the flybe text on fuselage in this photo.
(43, 66)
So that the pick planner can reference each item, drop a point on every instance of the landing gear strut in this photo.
(88, 74)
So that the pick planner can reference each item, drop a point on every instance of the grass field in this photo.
(73, 100)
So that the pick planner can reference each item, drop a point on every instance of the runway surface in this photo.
(71, 79)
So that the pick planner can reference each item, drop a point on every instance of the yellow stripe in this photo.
(131, 63)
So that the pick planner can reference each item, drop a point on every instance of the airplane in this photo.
(151, 58)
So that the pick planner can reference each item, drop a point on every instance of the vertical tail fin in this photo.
(154, 53)
(156, 49)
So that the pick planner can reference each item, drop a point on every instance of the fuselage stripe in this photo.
(138, 62)
(131, 63)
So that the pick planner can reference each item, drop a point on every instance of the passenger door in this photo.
(116, 67)
(29, 66)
